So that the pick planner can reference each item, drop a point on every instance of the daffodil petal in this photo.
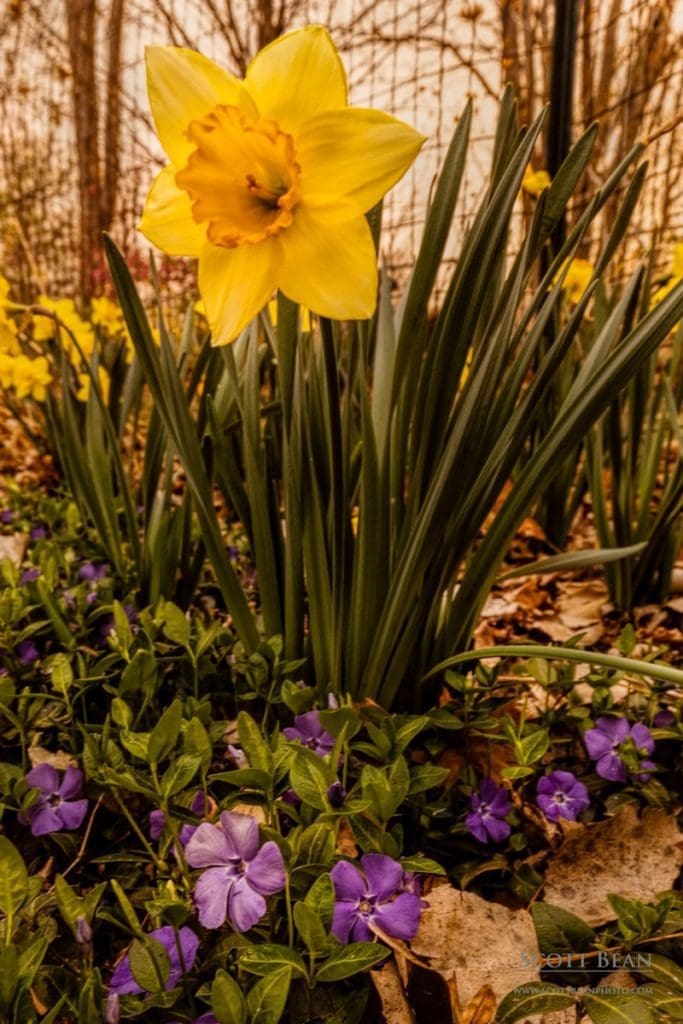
(355, 153)
(235, 285)
(184, 86)
(167, 218)
(331, 269)
(296, 77)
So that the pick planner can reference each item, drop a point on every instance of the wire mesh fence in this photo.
(76, 136)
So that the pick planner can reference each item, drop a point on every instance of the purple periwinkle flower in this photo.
(91, 571)
(239, 758)
(83, 932)
(373, 896)
(28, 576)
(336, 794)
(28, 652)
(206, 1018)
(7, 516)
(561, 795)
(307, 729)
(157, 820)
(239, 874)
(124, 984)
(39, 532)
(56, 807)
(490, 806)
(605, 742)
(664, 719)
(112, 1009)
(107, 623)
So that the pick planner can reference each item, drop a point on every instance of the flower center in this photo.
(54, 800)
(242, 177)
(365, 906)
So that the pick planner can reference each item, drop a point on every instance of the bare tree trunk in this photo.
(112, 123)
(81, 20)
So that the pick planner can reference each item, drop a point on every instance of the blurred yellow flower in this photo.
(32, 377)
(6, 371)
(44, 328)
(106, 314)
(8, 328)
(84, 383)
(270, 178)
(534, 182)
(578, 278)
(675, 274)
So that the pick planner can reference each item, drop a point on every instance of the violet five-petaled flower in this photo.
(29, 576)
(561, 795)
(375, 895)
(239, 874)
(123, 982)
(603, 744)
(307, 729)
(56, 807)
(28, 652)
(91, 571)
(39, 532)
(490, 806)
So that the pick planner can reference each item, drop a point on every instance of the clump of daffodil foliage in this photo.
(190, 834)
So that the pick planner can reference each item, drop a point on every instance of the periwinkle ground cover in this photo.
(188, 832)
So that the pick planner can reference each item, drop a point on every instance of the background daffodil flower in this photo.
(270, 179)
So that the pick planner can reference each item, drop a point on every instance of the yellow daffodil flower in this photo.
(106, 315)
(534, 182)
(578, 278)
(8, 328)
(84, 383)
(674, 276)
(44, 328)
(270, 178)
(7, 374)
(32, 377)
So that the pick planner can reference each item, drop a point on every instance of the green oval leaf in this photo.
(350, 960)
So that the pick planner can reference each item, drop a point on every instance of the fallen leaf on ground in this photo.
(59, 759)
(481, 1008)
(392, 997)
(477, 943)
(633, 857)
(13, 547)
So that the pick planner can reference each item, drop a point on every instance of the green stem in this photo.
(665, 673)
(290, 917)
(137, 830)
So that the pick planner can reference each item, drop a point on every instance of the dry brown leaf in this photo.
(252, 810)
(633, 857)
(59, 760)
(13, 547)
(346, 841)
(389, 988)
(476, 942)
(481, 1008)
(579, 604)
